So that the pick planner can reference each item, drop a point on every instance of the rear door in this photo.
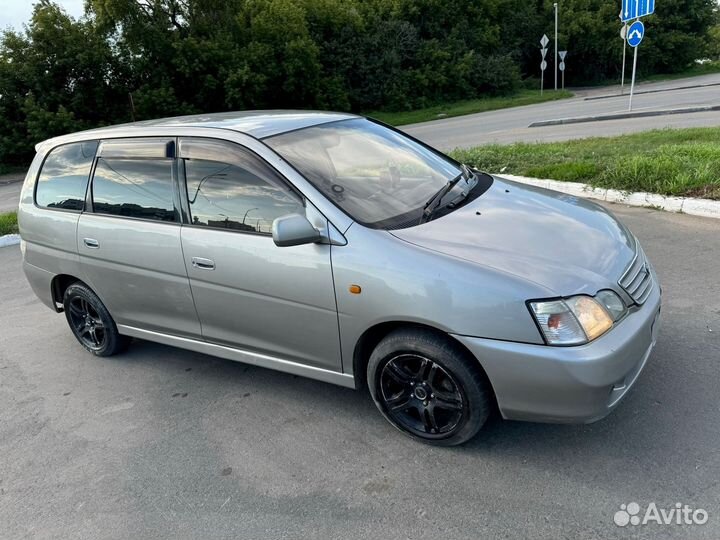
(129, 237)
(249, 293)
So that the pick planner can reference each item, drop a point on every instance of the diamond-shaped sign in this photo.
(562, 55)
(544, 41)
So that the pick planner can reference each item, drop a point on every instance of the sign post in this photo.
(634, 9)
(636, 32)
(555, 59)
(562, 54)
(543, 65)
(623, 35)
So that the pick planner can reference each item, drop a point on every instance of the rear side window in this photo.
(137, 188)
(64, 176)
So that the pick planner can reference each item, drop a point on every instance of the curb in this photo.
(690, 87)
(9, 240)
(621, 116)
(687, 205)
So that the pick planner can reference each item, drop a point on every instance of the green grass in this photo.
(8, 223)
(459, 108)
(682, 162)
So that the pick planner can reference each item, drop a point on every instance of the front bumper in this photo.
(569, 384)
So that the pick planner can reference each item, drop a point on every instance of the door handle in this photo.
(203, 264)
(91, 243)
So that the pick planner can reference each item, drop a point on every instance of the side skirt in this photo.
(239, 355)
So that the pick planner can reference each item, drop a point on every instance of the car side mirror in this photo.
(294, 230)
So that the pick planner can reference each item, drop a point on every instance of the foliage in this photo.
(683, 162)
(714, 42)
(135, 59)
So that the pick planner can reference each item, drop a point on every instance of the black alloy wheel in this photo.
(90, 321)
(421, 396)
(428, 386)
(86, 323)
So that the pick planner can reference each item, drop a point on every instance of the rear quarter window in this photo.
(64, 176)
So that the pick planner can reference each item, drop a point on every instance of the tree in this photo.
(59, 76)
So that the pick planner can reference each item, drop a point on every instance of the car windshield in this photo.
(375, 174)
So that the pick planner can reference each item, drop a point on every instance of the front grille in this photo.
(637, 280)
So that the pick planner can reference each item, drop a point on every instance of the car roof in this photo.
(258, 124)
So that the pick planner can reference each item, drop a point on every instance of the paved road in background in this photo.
(164, 443)
(10, 186)
(511, 125)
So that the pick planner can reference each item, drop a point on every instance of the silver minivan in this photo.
(335, 247)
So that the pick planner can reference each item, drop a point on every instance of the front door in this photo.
(248, 292)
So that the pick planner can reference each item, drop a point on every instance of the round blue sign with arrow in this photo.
(635, 33)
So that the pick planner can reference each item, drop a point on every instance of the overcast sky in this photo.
(14, 13)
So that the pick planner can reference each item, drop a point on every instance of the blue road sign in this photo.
(634, 9)
(635, 33)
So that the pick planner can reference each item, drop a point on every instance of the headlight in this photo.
(612, 303)
(572, 321)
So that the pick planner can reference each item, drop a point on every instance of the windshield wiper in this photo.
(434, 202)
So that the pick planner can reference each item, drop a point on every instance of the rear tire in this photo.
(90, 321)
(428, 387)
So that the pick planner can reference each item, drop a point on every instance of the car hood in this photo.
(564, 244)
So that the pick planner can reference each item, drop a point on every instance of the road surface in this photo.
(511, 125)
(10, 186)
(164, 443)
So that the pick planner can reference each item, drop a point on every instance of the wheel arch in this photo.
(372, 336)
(58, 286)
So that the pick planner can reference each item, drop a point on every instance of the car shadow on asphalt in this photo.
(214, 376)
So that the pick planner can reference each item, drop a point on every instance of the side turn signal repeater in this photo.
(355, 289)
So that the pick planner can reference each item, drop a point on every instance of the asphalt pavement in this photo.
(511, 125)
(10, 187)
(164, 443)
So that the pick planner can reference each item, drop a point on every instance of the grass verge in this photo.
(460, 108)
(8, 223)
(681, 162)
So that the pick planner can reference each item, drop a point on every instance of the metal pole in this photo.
(563, 79)
(622, 79)
(556, 45)
(632, 85)
(542, 81)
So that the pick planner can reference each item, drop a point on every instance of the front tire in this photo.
(427, 386)
(90, 321)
